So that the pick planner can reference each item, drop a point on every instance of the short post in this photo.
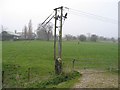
(73, 63)
(58, 66)
(28, 74)
(2, 77)
(111, 68)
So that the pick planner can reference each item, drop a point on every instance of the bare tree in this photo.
(94, 38)
(3, 28)
(82, 38)
(30, 29)
(25, 32)
(101, 38)
(44, 32)
(69, 37)
(41, 33)
(49, 28)
(113, 39)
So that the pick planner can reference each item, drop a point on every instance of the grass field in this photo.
(18, 56)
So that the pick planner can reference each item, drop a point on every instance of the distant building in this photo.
(6, 35)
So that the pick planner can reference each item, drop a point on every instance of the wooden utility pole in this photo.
(55, 40)
(55, 34)
(60, 34)
(58, 60)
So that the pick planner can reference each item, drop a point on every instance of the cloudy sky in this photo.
(84, 16)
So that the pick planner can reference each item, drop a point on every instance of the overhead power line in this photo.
(92, 16)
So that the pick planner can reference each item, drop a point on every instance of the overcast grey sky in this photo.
(14, 14)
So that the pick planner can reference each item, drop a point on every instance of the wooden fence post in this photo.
(73, 64)
(2, 76)
(28, 74)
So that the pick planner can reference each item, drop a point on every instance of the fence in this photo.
(89, 63)
(15, 73)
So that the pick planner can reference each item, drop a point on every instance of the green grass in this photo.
(18, 56)
(91, 55)
(58, 81)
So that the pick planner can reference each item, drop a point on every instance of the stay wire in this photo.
(47, 18)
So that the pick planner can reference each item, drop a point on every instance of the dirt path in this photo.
(97, 79)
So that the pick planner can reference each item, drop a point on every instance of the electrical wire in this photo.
(92, 16)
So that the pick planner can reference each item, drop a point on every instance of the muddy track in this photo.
(97, 79)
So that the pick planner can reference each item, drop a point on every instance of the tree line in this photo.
(45, 32)
(92, 37)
